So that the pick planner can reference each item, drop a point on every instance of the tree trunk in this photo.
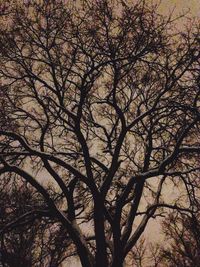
(118, 261)
(101, 258)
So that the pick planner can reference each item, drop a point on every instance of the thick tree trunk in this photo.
(117, 261)
(101, 258)
(118, 249)
(85, 260)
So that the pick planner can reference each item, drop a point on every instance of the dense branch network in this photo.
(102, 100)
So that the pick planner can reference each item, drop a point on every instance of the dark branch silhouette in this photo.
(102, 100)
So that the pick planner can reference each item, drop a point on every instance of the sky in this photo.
(180, 6)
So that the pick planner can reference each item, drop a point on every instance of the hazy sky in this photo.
(181, 5)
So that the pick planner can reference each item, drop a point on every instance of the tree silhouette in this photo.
(102, 101)
(182, 231)
(30, 236)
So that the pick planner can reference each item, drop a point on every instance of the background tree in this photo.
(182, 231)
(30, 236)
(103, 98)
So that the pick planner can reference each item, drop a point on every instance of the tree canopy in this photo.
(100, 99)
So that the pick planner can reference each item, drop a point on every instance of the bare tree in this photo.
(30, 236)
(103, 98)
(182, 232)
(138, 255)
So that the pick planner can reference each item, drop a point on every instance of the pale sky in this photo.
(181, 5)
